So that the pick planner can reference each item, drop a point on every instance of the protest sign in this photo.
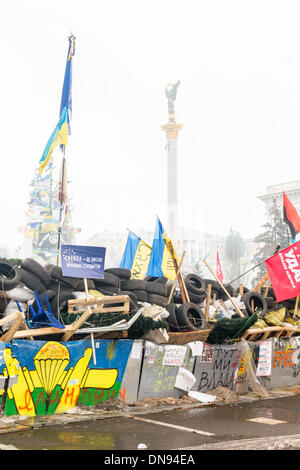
(284, 271)
(83, 261)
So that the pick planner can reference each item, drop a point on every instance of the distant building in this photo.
(195, 244)
(274, 192)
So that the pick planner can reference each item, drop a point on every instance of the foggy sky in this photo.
(238, 63)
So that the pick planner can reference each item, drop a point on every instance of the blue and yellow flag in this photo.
(60, 134)
(161, 261)
(136, 256)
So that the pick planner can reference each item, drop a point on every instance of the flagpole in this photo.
(61, 206)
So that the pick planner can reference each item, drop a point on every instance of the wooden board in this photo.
(39, 332)
(112, 335)
(103, 305)
(184, 337)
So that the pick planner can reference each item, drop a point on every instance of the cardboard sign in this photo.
(265, 359)
(174, 355)
(284, 271)
(83, 261)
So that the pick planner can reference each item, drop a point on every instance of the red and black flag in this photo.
(290, 216)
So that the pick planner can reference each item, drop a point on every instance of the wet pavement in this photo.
(251, 423)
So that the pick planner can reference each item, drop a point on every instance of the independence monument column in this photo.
(172, 129)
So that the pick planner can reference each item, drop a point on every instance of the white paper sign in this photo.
(136, 350)
(196, 348)
(203, 397)
(174, 355)
(265, 359)
(184, 379)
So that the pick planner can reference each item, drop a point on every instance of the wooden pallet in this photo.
(254, 334)
(103, 305)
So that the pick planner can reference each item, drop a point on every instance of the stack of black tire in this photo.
(59, 289)
(151, 290)
(188, 316)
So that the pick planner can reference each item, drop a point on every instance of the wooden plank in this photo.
(187, 336)
(13, 329)
(51, 330)
(208, 294)
(176, 279)
(221, 284)
(296, 307)
(183, 290)
(10, 317)
(75, 325)
(90, 311)
(100, 305)
(112, 335)
(268, 287)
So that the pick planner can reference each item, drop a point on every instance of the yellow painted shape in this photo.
(71, 393)
(101, 378)
(50, 371)
(21, 390)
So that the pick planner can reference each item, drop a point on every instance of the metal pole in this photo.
(60, 211)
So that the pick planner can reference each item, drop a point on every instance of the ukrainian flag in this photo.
(136, 256)
(161, 262)
(60, 134)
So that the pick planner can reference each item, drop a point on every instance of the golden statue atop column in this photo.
(172, 129)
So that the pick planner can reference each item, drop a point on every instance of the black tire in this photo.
(31, 265)
(130, 294)
(108, 280)
(81, 287)
(161, 280)
(172, 319)
(49, 266)
(236, 291)
(108, 290)
(156, 288)
(271, 292)
(10, 275)
(229, 289)
(121, 273)
(270, 302)
(62, 302)
(141, 295)
(190, 316)
(176, 299)
(132, 303)
(157, 300)
(214, 284)
(216, 292)
(56, 273)
(259, 303)
(194, 283)
(133, 284)
(32, 281)
(197, 298)
(50, 295)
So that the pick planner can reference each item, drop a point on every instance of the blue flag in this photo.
(161, 262)
(60, 134)
(136, 256)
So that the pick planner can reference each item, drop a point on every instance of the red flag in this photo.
(219, 270)
(290, 216)
(284, 271)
